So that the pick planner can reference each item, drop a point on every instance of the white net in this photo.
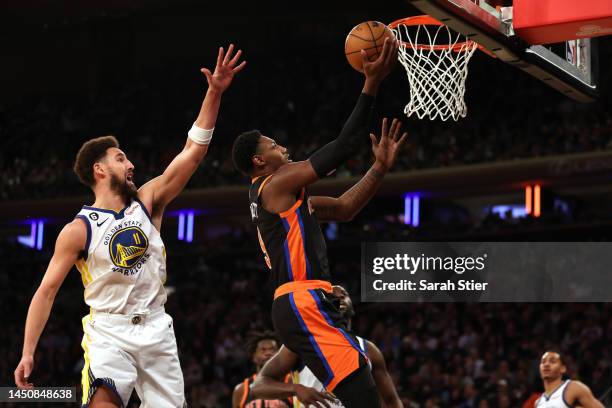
(436, 61)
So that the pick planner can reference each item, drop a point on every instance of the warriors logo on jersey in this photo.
(127, 246)
(123, 264)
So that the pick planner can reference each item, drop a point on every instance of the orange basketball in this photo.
(368, 36)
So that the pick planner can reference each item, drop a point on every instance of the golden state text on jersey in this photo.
(123, 264)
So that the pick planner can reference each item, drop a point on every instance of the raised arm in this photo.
(345, 207)
(157, 193)
(578, 394)
(269, 382)
(383, 380)
(290, 178)
(68, 246)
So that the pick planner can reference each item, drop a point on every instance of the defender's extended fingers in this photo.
(239, 67)
(228, 54)
(220, 56)
(233, 61)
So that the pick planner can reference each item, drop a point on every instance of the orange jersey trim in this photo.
(294, 207)
(304, 285)
(245, 392)
(296, 256)
(263, 183)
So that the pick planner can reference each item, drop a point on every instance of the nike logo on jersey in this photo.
(100, 223)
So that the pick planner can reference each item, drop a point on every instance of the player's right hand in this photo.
(311, 397)
(23, 371)
(383, 65)
(221, 78)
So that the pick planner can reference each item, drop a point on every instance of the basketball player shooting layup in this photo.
(294, 248)
(559, 393)
(116, 245)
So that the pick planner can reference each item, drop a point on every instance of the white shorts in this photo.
(127, 351)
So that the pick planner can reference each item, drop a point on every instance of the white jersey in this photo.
(123, 267)
(306, 378)
(555, 400)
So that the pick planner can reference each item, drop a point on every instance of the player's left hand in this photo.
(311, 397)
(226, 68)
(386, 149)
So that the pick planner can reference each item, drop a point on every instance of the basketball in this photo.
(368, 36)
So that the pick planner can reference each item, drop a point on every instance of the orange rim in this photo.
(462, 46)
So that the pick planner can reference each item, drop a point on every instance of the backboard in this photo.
(569, 67)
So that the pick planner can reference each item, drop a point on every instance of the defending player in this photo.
(559, 393)
(294, 247)
(116, 245)
(261, 347)
(268, 384)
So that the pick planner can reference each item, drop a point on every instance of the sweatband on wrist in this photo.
(199, 135)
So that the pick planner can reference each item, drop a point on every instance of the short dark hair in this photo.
(557, 352)
(91, 152)
(254, 338)
(245, 146)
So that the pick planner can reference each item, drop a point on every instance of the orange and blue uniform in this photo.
(304, 317)
(286, 403)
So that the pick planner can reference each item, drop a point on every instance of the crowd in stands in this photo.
(39, 136)
(438, 354)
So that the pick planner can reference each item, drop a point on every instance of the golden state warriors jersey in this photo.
(123, 266)
(556, 399)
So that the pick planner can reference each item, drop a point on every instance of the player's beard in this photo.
(126, 190)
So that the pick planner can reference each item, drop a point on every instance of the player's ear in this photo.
(563, 369)
(99, 170)
(258, 160)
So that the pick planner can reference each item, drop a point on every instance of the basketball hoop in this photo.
(436, 61)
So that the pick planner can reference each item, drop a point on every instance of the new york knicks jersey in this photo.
(292, 242)
(260, 403)
(123, 266)
(555, 400)
(306, 378)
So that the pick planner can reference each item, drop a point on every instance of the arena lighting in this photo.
(533, 200)
(517, 211)
(186, 219)
(536, 200)
(181, 226)
(528, 206)
(189, 235)
(411, 209)
(36, 237)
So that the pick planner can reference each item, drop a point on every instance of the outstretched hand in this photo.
(384, 63)
(226, 68)
(386, 149)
